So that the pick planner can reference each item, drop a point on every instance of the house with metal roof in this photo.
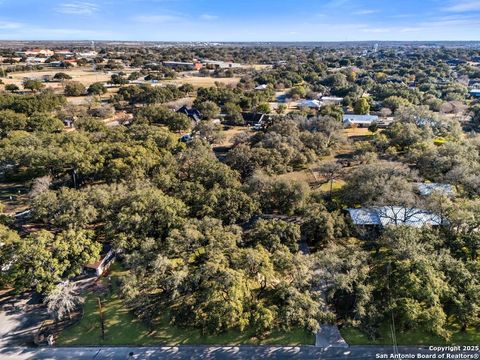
(262, 87)
(359, 120)
(426, 189)
(475, 93)
(393, 215)
(331, 100)
(310, 104)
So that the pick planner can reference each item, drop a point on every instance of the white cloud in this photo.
(463, 6)
(208, 17)
(77, 8)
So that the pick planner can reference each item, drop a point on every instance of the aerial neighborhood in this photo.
(227, 194)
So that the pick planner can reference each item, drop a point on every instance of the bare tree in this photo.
(331, 171)
(62, 300)
(40, 185)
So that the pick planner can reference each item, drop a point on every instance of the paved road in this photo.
(20, 317)
(210, 352)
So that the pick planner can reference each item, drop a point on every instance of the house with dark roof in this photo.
(192, 113)
(255, 119)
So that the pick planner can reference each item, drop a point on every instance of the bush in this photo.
(74, 88)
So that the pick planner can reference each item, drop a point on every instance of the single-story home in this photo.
(192, 113)
(182, 65)
(261, 87)
(23, 214)
(186, 138)
(254, 118)
(310, 104)
(475, 93)
(35, 60)
(426, 189)
(331, 100)
(221, 64)
(103, 264)
(359, 120)
(393, 215)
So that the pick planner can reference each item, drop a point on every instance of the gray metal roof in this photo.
(394, 215)
(426, 189)
(359, 119)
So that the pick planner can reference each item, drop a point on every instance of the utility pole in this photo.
(100, 313)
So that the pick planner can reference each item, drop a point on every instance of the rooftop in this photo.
(394, 215)
(426, 189)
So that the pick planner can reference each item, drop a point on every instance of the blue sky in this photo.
(240, 20)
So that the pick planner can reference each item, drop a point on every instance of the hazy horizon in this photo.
(246, 21)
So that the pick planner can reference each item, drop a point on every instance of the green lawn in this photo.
(337, 185)
(122, 328)
(354, 336)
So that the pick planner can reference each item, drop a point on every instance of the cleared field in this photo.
(84, 75)
(198, 82)
(232, 132)
(351, 132)
(261, 67)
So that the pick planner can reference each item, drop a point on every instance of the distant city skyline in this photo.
(247, 20)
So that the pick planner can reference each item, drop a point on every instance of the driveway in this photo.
(329, 335)
(20, 317)
(240, 352)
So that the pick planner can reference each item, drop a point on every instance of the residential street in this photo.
(242, 352)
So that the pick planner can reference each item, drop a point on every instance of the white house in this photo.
(310, 104)
(331, 100)
(359, 120)
(262, 87)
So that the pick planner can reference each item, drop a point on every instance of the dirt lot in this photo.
(14, 197)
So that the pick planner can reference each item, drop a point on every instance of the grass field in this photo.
(301, 175)
(198, 81)
(122, 328)
(84, 75)
(414, 337)
(351, 132)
